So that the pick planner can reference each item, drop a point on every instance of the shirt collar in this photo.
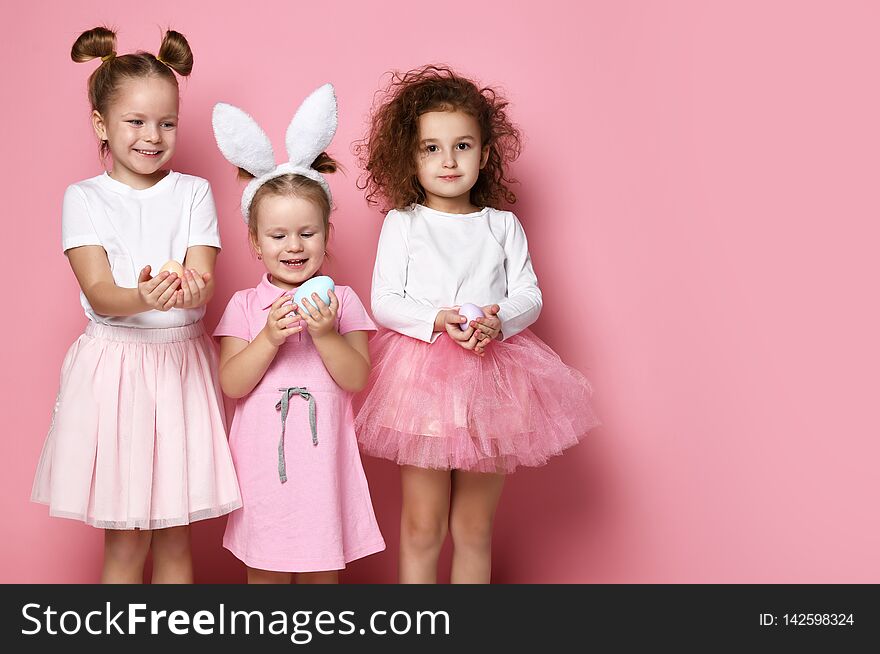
(267, 292)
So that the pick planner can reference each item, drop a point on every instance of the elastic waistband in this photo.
(136, 335)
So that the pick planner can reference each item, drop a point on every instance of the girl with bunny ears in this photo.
(138, 442)
(456, 402)
(292, 369)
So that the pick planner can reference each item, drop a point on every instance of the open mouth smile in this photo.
(294, 263)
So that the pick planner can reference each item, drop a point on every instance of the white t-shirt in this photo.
(429, 260)
(140, 227)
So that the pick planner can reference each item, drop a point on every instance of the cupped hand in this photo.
(159, 292)
(192, 292)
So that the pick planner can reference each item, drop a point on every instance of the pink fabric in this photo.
(138, 435)
(437, 405)
(322, 517)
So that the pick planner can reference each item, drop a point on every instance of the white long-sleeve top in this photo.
(428, 260)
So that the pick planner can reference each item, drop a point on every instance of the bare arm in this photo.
(243, 364)
(346, 357)
(92, 270)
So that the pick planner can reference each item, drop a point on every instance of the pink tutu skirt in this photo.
(443, 407)
(138, 436)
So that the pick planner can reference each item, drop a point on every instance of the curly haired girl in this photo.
(461, 391)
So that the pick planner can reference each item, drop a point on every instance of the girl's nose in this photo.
(151, 134)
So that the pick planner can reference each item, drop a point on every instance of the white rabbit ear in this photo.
(313, 127)
(241, 140)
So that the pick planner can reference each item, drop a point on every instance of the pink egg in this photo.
(471, 312)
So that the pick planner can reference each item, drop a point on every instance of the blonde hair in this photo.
(175, 56)
(296, 186)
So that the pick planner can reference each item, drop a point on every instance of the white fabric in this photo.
(137, 228)
(429, 260)
(244, 143)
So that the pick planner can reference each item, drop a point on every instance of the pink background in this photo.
(699, 188)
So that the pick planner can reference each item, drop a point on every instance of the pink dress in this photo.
(306, 505)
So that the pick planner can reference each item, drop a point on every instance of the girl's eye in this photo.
(135, 122)
(168, 125)
(432, 148)
(307, 235)
(463, 146)
(277, 236)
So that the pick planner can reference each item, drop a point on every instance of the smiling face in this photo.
(290, 238)
(449, 158)
(140, 127)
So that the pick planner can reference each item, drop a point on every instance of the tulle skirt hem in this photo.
(440, 406)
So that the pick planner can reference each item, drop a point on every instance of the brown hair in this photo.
(297, 186)
(387, 153)
(174, 55)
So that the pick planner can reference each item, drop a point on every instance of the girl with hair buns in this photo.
(137, 445)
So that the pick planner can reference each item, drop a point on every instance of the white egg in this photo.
(471, 312)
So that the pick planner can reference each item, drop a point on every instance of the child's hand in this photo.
(191, 293)
(320, 318)
(488, 328)
(282, 321)
(159, 292)
(451, 321)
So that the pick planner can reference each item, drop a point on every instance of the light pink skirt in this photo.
(440, 406)
(138, 437)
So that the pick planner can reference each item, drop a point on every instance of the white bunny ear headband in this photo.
(245, 144)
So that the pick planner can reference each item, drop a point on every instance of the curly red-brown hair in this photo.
(388, 152)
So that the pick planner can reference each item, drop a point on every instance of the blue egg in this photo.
(320, 285)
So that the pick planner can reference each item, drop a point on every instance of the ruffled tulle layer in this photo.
(138, 437)
(440, 406)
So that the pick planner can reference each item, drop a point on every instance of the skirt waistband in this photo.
(137, 335)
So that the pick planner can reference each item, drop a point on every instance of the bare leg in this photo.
(475, 497)
(424, 523)
(172, 560)
(325, 577)
(257, 576)
(125, 553)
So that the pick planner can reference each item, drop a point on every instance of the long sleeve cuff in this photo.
(406, 316)
(519, 312)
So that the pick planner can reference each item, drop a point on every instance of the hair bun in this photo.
(325, 164)
(176, 53)
(94, 43)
